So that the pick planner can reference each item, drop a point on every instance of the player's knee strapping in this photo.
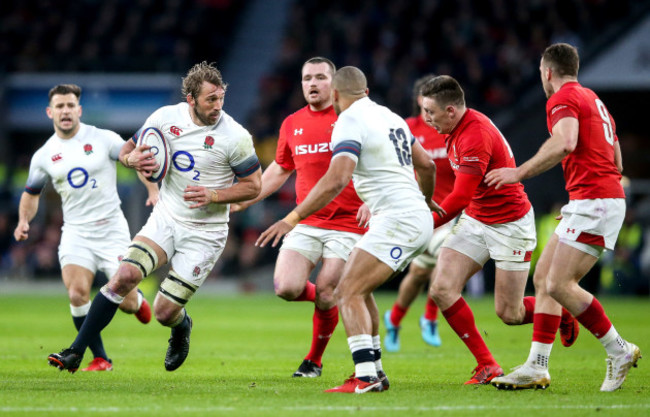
(176, 289)
(142, 256)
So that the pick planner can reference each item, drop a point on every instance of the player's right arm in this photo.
(273, 178)
(26, 211)
(563, 141)
(137, 157)
(153, 192)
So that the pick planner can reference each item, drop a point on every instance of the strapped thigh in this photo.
(176, 289)
(142, 256)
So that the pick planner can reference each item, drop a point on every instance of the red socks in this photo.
(529, 305)
(431, 310)
(308, 294)
(595, 320)
(545, 328)
(325, 322)
(461, 319)
(397, 314)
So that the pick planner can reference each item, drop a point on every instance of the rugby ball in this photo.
(159, 151)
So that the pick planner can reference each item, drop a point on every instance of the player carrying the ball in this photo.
(189, 225)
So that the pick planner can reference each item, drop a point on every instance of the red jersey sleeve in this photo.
(283, 156)
(464, 189)
(474, 154)
(559, 111)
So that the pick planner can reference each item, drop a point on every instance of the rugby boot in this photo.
(179, 346)
(68, 359)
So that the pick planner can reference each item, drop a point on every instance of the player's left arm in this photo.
(618, 157)
(563, 140)
(336, 178)
(246, 188)
(426, 170)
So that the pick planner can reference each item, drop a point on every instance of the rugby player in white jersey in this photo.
(80, 161)
(374, 147)
(189, 225)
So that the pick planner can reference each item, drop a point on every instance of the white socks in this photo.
(361, 346)
(539, 354)
(613, 342)
(80, 311)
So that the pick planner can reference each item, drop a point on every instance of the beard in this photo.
(203, 118)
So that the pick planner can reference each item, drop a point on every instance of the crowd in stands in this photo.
(114, 35)
(491, 46)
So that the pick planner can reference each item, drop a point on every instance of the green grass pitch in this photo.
(245, 348)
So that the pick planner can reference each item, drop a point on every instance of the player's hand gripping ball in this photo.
(159, 151)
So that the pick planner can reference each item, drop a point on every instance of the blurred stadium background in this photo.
(129, 57)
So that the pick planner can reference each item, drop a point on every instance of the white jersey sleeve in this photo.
(208, 156)
(380, 143)
(83, 173)
(38, 176)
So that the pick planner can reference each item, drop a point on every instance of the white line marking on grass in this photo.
(470, 407)
(325, 408)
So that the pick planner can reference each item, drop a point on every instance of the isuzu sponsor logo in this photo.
(325, 147)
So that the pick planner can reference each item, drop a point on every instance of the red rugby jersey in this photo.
(434, 143)
(476, 146)
(590, 170)
(305, 145)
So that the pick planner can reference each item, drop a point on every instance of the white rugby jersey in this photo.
(208, 156)
(380, 143)
(82, 170)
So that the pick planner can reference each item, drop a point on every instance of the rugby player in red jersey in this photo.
(495, 224)
(583, 138)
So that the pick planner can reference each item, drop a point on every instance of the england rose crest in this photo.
(209, 141)
(88, 148)
(196, 271)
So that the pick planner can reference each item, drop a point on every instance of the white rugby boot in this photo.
(525, 376)
(619, 365)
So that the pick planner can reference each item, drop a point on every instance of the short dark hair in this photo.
(200, 72)
(445, 90)
(64, 89)
(417, 91)
(563, 59)
(320, 60)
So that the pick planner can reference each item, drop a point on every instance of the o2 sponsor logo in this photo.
(184, 161)
(396, 253)
(77, 181)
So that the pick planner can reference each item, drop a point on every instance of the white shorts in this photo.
(591, 225)
(397, 239)
(509, 244)
(192, 253)
(95, 246)
(315, 242)
(429, 258)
